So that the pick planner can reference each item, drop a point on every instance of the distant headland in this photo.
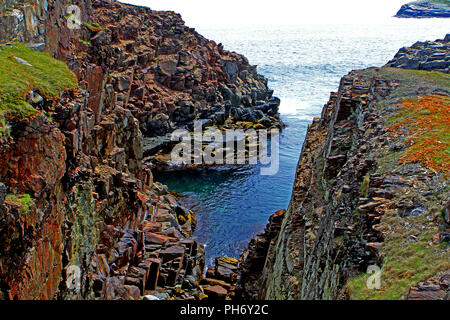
(425, 9)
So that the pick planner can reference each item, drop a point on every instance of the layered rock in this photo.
(428, 55)
(358, 203)
(425, 9)
(75, 191)
(220, 280)
(253, 259)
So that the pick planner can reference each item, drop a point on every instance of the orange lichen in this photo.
(428, 120)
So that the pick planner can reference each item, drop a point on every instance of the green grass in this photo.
(405, 264)
(24, 200)
(4, 130)
(408, 253)
(49, 76)
(94, 27)
(364, 189)
(411, 81)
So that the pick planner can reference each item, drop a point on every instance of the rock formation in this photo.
(428, 56)
(80, 214)
(425, 9)
(371, 190)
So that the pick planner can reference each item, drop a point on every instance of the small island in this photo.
(425, 9)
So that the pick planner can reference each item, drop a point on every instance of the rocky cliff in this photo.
(428, 56)
(371, 190)
(425, 9)
(80, 214)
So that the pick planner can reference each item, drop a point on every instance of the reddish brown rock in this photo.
(433, 289)
(215, 292)
(155, 238)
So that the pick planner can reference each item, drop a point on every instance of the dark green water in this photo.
(234, 204)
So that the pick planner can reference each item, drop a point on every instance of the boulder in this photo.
(265, 122)
(215, 292)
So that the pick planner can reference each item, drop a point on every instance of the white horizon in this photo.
(238, 13)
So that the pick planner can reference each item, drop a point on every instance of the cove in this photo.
(232, 204)
(303, 65)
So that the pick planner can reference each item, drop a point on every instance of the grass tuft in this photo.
(24, 200)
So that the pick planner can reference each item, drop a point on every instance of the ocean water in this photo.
(303, 65)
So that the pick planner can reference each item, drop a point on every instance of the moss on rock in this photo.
(22, 70)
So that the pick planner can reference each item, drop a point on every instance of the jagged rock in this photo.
(429, 56)
(216, 282)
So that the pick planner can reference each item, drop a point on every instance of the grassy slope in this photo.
(49, 76)
(405, 262)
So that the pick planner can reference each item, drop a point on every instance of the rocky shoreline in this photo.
(81, 216)
(364, 195)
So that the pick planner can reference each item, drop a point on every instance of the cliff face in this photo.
(74, 189)
(371, 188)
(425, 9)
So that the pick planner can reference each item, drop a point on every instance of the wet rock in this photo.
(220, 118)
(265, 122)
(253, 259)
